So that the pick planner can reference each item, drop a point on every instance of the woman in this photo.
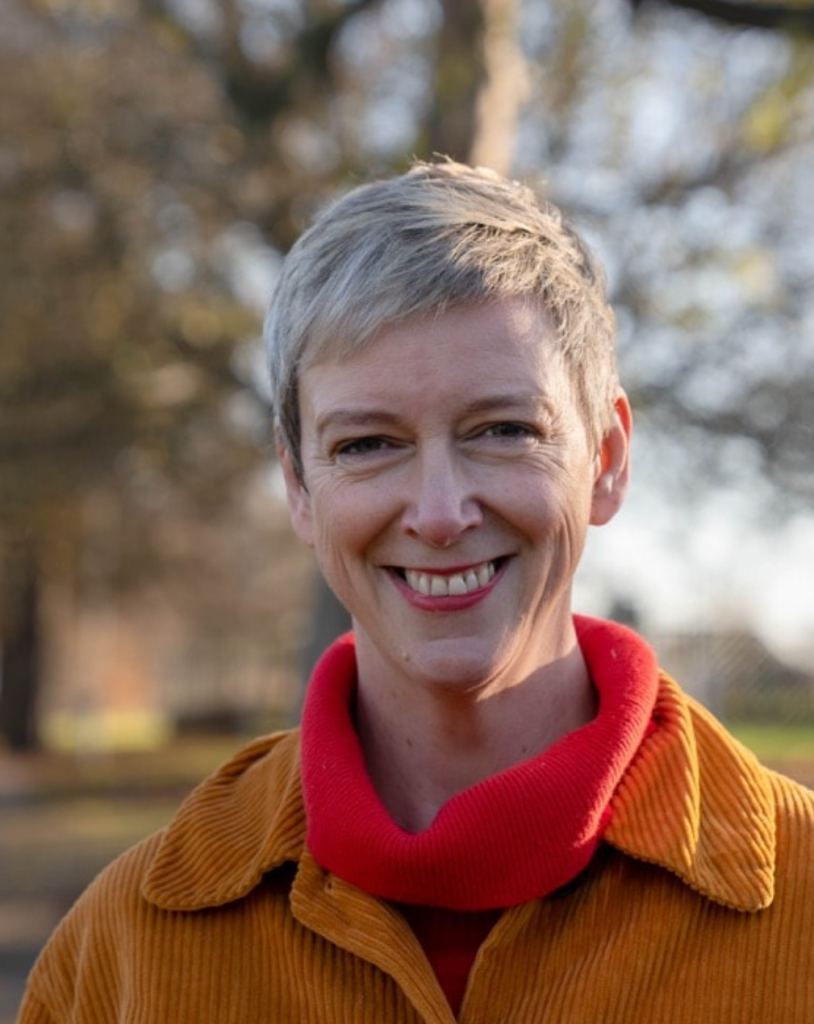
(494, 809)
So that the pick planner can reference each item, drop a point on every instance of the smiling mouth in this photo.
(454, 584)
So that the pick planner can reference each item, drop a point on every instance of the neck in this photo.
(424, 745)
(518, 835)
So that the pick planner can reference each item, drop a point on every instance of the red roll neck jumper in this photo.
(517, 836)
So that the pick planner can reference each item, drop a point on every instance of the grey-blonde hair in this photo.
(440, 235)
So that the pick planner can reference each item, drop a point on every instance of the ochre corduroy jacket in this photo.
(697, 908)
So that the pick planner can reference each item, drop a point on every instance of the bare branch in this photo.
(796, 18)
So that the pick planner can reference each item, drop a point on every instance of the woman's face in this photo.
(448, 487)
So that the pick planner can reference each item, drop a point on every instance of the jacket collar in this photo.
(697, 803)
(693, 802)
(244, 821)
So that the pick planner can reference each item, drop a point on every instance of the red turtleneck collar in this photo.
(516, 836)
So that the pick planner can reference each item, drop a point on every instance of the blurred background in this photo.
(157, 159)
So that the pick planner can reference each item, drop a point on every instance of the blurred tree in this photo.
(119, 324)
(130, 187)
(700, 201)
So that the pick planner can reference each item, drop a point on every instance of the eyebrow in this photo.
(371, 416)
(355, 418)
(510, 400)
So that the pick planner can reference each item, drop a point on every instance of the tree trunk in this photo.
(458, 78)
(20, 647)
(784, 17)
(503, 89)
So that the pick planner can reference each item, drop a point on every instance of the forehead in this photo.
(469, 355)
(508, 322)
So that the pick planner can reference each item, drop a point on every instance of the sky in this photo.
(717, 568)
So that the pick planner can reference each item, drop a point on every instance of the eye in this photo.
(358, 447)
(510, 431)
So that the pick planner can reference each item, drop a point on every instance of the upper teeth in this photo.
(450, 586)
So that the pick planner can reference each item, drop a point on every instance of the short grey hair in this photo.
(440, 235)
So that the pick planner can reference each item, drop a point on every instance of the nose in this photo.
(442, 505)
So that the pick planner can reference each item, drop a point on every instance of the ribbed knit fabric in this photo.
(514, 837)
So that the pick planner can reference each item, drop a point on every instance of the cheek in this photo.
(347, 519)
(552, 500)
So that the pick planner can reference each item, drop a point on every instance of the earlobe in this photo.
(613, 469)
(299, 500)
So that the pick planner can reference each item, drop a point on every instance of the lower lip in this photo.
(453, 603)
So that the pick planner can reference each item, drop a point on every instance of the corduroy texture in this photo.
(548, 812)
(697, 908)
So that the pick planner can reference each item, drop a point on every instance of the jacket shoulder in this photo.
(82, 950)
(80, 964)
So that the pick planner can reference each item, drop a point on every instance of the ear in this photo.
(613, 465)
(299, 500)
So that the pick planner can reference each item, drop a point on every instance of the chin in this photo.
(445, 666)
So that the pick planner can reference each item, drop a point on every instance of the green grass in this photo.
(777, 743)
